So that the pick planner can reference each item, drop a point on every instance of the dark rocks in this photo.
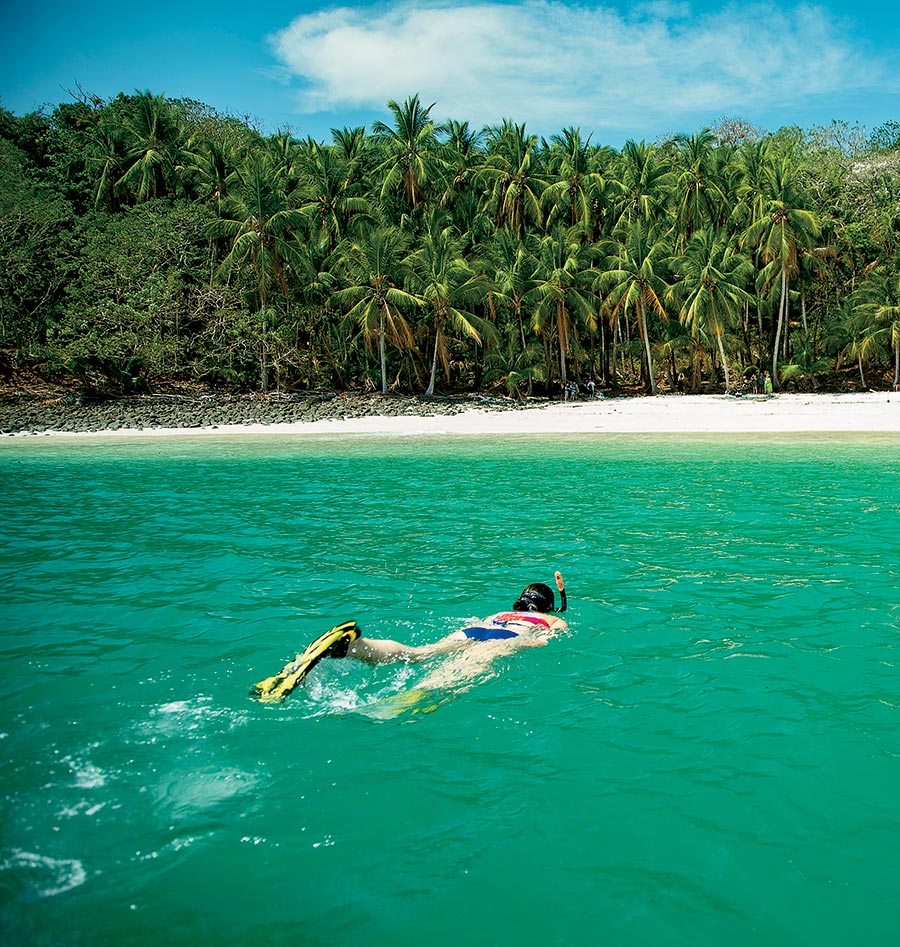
(72, 413)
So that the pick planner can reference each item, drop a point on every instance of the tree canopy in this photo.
(145, 239)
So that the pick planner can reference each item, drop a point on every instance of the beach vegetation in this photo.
(145, 239)
(375, 269)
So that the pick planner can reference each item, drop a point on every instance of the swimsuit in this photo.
(498, 630)
(489, 634)
(528, 617)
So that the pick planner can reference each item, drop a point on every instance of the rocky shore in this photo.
(74, 413)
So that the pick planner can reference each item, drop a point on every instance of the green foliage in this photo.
(135, 302)
(886, 137)
(39, 253)
(515, 368)
(145, 238)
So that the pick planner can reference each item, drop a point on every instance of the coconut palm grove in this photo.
(147, 240)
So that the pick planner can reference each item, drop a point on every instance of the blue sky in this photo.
(619, 70)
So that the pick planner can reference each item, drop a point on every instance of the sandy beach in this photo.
(665, 414)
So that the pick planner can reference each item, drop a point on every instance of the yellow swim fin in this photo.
(412, 701)
(333, 643)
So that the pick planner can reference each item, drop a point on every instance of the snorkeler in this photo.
(527, 625)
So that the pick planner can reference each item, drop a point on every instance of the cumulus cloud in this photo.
(553, 64)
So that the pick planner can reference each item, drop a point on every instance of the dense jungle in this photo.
(150, 243)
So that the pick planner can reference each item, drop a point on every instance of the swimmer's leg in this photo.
(384, 650)
(416, 701)
(334, 643)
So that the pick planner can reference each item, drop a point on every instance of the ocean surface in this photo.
(710, 755)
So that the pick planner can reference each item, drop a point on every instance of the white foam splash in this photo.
(188, 718)
(64, 873)
(87, 776)
(82, 807)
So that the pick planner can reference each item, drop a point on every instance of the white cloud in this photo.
(554, 64)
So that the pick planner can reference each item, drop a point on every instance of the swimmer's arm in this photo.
(540, 637)
(527, 641)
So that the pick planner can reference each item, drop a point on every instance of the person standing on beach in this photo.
(767, 384)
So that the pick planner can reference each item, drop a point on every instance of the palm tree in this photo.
(260, 221)
(411, 148)
(461, 155)
(859, 334)
(463, 140)
(698, 192)
(445, 283)
(210, 171)
(643, 181)
(563, 289)
(155, 147)
(804, 364)
(107, 155)
(315, 329)
(284, 151)
(514, 366)
(376, 266)
(710, 291)
(326, 194)
(350, 142)
(573, 181)
(893, 313)
(510, 175)
(783, 228)
(512, 264)
(877, 313)
(461, 158)
(634, 281)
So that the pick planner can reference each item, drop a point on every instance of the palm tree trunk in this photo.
(645, 334)
(696, 366)
(759, 328)
(614, 354)
(862, 377)
(604, 351)
(263, 367)
(781, 313)
(381, 353)
(521, 326)
(724, 362)
(897, 360)
(548, 358)
(437, 337)
(592, 360)
(562, 350)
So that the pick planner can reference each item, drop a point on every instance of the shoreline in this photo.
(863, 412)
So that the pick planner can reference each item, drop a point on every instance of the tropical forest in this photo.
(147, 241)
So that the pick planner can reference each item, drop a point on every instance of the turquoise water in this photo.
(711, 755)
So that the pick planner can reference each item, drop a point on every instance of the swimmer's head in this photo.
(537, 597)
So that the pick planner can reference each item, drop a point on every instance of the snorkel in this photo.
(539, 597)
(562, 591)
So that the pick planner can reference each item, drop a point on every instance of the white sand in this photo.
(665, 414)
